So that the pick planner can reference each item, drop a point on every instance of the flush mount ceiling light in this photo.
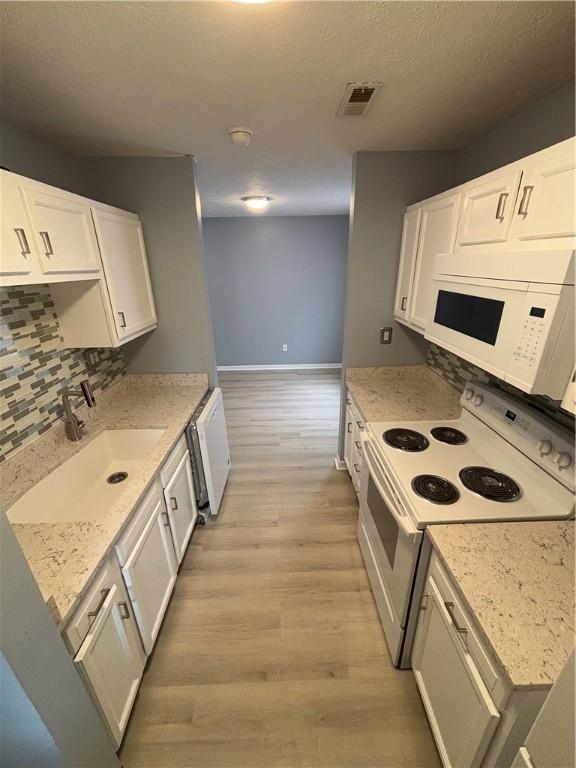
(239, 136)
(256, 202)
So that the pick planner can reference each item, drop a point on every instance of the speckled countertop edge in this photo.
(402, 393)
(517, 580)
(64, 557)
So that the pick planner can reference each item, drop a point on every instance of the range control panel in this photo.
(548, 444)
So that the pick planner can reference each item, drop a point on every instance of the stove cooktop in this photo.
(462, 471)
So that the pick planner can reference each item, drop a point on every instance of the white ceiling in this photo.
(136, 78)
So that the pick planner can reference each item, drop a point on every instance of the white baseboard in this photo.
(340, 464)
(302, 366)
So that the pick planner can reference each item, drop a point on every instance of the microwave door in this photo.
(478, 322)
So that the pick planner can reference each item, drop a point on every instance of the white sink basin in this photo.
(79, 488)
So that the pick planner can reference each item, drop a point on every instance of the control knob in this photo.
(477, 400)
(563, 460)
(545, 447)
(468, 393)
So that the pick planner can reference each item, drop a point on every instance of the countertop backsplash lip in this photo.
(64, 556)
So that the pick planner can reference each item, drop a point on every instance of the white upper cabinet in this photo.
(19, 262)
(488, 207)
(63, 231)
(438, 224)
(407, 260)
(546, 206)
(126, 269)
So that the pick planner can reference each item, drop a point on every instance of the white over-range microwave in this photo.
(510, 314)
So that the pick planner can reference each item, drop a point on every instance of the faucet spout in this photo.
(73, 425)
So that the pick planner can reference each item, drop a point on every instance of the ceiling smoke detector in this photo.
(357, 99)
(241, 137)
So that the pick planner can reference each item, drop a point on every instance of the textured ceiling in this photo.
(134, 78)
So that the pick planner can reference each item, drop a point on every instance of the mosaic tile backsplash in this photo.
(458, 372)
(35, 368)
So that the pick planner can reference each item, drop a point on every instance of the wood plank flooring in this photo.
(271, 653)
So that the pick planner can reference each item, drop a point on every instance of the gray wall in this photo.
(384, 184)
(58, 722)
(26, 154)
(539, 125)
(163, 191)
(277, 280)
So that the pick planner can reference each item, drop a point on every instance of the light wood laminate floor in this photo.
(271, 653)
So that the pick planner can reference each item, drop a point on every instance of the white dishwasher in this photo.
(213, 437)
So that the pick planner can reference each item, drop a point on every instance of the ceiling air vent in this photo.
(357, 99)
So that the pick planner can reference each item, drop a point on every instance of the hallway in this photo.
(271, 653)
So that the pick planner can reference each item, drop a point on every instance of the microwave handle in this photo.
(404, 522)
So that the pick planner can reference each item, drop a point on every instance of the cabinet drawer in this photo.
(486, 665)
(80, 623)
(140, 518)
(173, 460)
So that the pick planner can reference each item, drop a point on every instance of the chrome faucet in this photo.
(72, 423)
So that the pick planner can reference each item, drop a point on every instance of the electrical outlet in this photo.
(385, 335)
(284, 347)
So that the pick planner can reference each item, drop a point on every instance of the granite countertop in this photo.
(518, 581)
(64, 556)
(402, 393)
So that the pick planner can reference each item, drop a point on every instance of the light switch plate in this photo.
(386, 335)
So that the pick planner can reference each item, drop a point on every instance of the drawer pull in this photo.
(22, 240)
(166, 518)
(104, 594)
(526, 195)
(462, 631)
(356, 468)
(348, 401)
(349, 427)
(360, 425)
(122, 319)
(124, 610)
(48, 250)
(173, 503)
(358, 444)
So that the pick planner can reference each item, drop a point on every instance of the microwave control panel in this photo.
(532, 337)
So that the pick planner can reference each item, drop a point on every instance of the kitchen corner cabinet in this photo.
(111, 658)
(476, 715)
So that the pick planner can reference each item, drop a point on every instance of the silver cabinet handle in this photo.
(403, 304)
(104, 594)
(122, 319)
(501, 206)
(48, 251)
(358, 444)
(462, 631)
(166, 518)
(124, 610)
(349, 427)
(526, 195)
(360, 425)
(21, 235)
(173, 503)
(356, 467)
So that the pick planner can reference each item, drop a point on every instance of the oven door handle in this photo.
(403, 521)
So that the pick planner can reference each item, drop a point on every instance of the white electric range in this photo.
(500, 461)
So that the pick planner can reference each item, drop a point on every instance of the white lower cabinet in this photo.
(353, 452)
(111, 658)
(146, 556)
(179, 496)
(462, 714)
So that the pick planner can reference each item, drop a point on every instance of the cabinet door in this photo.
(150, 574)
(407, 259)
(64, 233)
(547, 201)
(18, 256)
(112, 660)
(438, 223)
(488, 208)
(181, 505)
(126, 268)
(349, 436)
(461, 713)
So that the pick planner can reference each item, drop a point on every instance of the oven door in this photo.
(390, 544)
